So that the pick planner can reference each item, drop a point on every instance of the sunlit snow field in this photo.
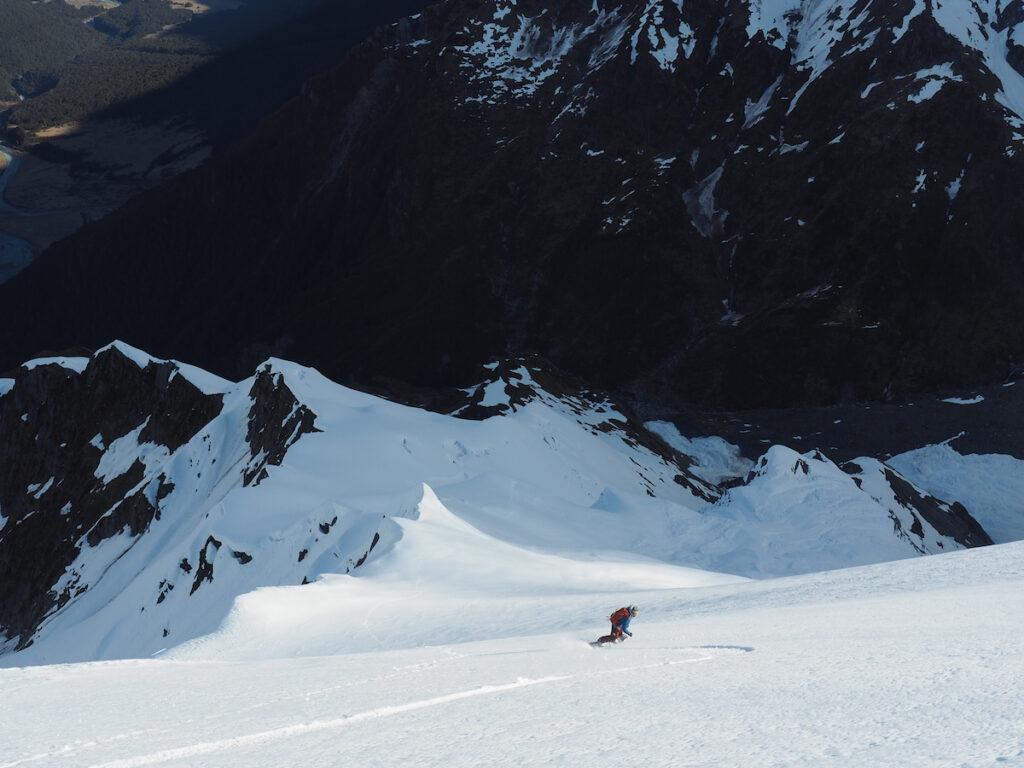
(463, 640)
(460, 569)
(912, 663)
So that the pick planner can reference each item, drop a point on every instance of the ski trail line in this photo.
(317, 725)
(289, 731)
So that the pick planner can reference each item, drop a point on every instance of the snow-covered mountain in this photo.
(141, 498)
(735, 202)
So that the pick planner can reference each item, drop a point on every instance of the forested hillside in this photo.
(68, 61)
(73, 63)
(38, 38)
(157, 90)
(140, 18)
(265, 51)
(97, 80)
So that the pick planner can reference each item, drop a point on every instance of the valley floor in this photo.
(912, 663)
(982, 420)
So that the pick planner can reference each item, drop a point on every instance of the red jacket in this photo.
(620, 615)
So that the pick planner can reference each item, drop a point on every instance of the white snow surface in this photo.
(715, 458)
(458, 570)
(914, 663)
(550, 496)
(991, 486)
(76, 364)
(205, 381)
(544, 484)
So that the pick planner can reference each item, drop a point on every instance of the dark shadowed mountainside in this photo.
(152, 97)
(737, 204)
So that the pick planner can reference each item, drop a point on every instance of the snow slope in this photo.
(551, 496)
(990, 485)
(914, 663)
(548, 477)
(492, 552)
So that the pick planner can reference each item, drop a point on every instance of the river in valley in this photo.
(15, 253)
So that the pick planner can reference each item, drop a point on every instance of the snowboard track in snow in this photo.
(300, 729)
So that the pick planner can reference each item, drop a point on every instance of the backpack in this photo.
(619, 615)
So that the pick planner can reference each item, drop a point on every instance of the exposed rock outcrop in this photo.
(92, 450)
(71, 470)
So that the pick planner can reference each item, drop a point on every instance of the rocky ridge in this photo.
(140, 497)
(88, 449)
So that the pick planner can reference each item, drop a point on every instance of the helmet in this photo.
(633, 610)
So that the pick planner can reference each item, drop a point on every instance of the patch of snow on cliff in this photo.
(700, 202)
(76, 364)
(664, 45)
(953, 189)
(963, 400)
(932, 80)
(821, 25)
(514, 57)
(516, 61)
(917, 10)
(123, 452)
(609, 31)
(770, 18)
(753, 112)
(973, 24)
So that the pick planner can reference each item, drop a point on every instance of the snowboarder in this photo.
(620, 625)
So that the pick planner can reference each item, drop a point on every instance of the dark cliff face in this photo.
(697, 201)
(951, 520)
(55, 426)
(276, 420)
(84, 447)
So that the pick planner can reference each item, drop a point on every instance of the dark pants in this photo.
(613, 637)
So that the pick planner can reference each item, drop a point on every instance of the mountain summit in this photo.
(740, 203)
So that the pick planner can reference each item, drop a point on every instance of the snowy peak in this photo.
(945, 521)
(136, 506)
(513, 384)
(811, 511)
(938, 526)
(276, 420)
(129, 490)
(84, 442)
(95, 451)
